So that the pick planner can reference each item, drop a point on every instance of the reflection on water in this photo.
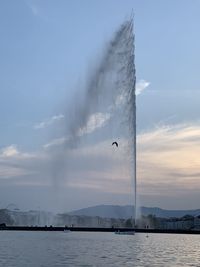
(49, 249)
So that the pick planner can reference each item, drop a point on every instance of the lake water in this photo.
(50, 249)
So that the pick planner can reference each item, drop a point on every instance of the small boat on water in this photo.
(66, 231)
(130, 232)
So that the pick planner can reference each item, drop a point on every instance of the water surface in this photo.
(49, 249)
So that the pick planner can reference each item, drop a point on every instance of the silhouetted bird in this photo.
(115, 143)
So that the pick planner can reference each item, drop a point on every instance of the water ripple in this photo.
(50, 249)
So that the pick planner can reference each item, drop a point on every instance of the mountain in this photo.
(125, 212)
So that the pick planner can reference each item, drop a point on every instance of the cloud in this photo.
(95, 121)
(32, 6)
(9, 151)
(55, 142)
(167, 165)
(12, 152)
(14, 163)
(11, 171)
(141, 85)
(168, 160)
(48, 122)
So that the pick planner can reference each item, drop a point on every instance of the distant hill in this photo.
(125, 212)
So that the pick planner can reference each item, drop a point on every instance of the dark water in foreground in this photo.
(49, 249)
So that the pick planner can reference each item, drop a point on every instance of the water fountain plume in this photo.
(109, 92)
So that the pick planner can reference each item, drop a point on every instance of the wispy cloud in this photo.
(9, 151)
(14, 163)
(168, 163)
(168, 157)
(167, 160)
(55, 142)
(141, 85)
(32, 6)
(12, 152)
(48, 122)
(95, 121)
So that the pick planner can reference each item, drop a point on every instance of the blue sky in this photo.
(48, 47)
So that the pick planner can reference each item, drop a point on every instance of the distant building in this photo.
(197, 223)
(184, 223)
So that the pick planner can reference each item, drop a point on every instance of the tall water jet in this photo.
(132, 74)
(108, 100)
(131, 104)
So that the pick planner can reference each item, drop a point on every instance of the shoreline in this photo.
(96, 229)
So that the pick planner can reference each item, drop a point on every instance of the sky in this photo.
(47, 51)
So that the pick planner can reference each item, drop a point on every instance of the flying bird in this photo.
(115, 143)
